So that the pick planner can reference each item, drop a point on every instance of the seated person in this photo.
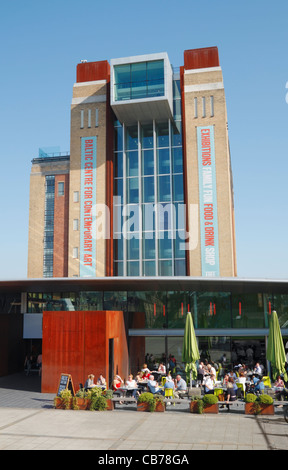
(101, 382)
(117, 382)
(260, 387)
(257, 369)
(181, 387)
(209, 383)
(169, 384)
(162, 368)
(231, 392)
(90, 382)
(153, 385)
(131, 386)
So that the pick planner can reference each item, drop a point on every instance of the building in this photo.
(147, 190)
(110, 324)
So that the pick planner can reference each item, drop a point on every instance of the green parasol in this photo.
(190, 352)
(275, 348)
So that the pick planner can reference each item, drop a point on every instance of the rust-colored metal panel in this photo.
(90, 71)
(201, 58)
(77, 343)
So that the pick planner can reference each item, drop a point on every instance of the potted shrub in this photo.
(149, 402)
(259, 405)
(210, 403)
(207, 404)
(108, 394)
(160, 405)
(196, 405)
(81, 400)
(98, 401)
(64, 401)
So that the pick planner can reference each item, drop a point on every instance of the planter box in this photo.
(211, 409)
(110, 405)
(160, 407)
(82, 403)
(207, 408)
(60, 404)
(142, 406)
(251, 409)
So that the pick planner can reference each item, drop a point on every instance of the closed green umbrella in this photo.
(275, 348)
(190, 352)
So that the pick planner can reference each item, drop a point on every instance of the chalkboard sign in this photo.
(65, 383)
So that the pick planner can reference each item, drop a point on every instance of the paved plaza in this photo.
(28, 421)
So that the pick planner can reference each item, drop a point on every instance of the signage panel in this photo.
(208, 202)
(87, 255)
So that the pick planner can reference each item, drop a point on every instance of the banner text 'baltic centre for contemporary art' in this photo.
(87, 255)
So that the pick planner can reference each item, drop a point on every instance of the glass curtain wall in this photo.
(149, 215)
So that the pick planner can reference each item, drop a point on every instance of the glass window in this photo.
(132, 163)
(177, 308)
(148, 189)
(165, 245)
(165, 268)
(90, 300)
(163, 161)
(280, 304)
(115, 300)
(155, 78)
(118, 248)
(177, 134)
(249, 310)
(180, 267)
(118, 165)
(148, 214)
(118, 187)
(118, 268)
(162, 130)
(147, 136)
(152, 303)
(133, 268)
(147, 162)
(61, 188)
(213, 310)
(149, 268)
(133, 248)
(177, 160)
(178, 190)
(164, 190)
(132, 138)
(118, 134)
(132, 190)
(149, 245)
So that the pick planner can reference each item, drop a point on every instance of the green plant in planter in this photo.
(265, 399)
(108, 394)
(149, 398)
(98, 401)
(210, 399)
(200, 404)
(66, 396)
(250, 398)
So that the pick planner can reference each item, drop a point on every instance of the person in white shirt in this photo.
(209, 383)
(162, 368)
(131, 386)
(211, 370)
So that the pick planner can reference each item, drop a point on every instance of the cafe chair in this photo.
(163, 380)
(240, 389)
(169, 393)
(267, 381)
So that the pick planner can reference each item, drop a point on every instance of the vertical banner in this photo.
(208, 202)
(87, 255)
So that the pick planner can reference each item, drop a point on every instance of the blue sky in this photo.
(41, 44)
